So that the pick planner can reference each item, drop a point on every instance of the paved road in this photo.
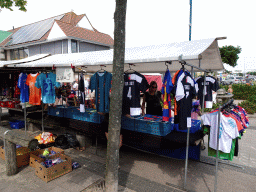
(147, 172)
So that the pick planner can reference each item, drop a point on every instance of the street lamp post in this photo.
(190, 19)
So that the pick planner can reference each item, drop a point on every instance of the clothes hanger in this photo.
(166, 64)
(130, 70)
(101, 68)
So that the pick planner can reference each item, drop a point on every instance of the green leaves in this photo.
(229, 54)
(249, 107)
(9, 3)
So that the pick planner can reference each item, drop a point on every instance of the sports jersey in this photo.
(101, 83)
(211, 84)
(34, 92)
(133, 84)
(167, 87)
(227, 131)
(24, 94)
(185, 92)
(47, 82)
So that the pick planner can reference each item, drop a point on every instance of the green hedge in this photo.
(242, 91)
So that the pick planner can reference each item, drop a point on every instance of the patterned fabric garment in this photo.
(211, 84)
(47, 83)
(34, 92)
(133, 84)
(24, 94)
(101, 83)
(166, 91)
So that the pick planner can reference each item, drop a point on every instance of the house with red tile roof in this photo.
(65, 33)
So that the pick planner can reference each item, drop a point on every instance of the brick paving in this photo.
(145, 172)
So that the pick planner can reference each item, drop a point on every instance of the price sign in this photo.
(64, 75)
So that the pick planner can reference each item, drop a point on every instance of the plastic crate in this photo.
(17, 124)
(195, 126)
(11, 104)
(128, 123)
(72, 113)
(94, 117)
(56, 111)
(4, 103)
(159, 128)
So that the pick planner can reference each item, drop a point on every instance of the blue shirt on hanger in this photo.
(24, 89)
(47, 83)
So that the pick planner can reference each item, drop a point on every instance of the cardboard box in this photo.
(34, 155)
(48, 174)
(23, 154)
(2, 153)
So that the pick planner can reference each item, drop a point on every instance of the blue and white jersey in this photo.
(47, 83)
(24, 89)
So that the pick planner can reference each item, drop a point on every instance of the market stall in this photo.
(198, 55)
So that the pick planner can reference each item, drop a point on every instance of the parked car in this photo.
(232, 80)
(241, 79)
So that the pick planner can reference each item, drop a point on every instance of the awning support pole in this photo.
(186, 162)
(217, 152)
(25, 118)
(42, 116)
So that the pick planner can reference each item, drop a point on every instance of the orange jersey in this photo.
(34, 92)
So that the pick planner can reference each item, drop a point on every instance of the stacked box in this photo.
(4, 103)
(23, 154)
(17, 124)
(128, 123)
(11, 104)
(159, 128)
(71, 112)
(56, 111)
(94, 117)
(50, 173)
(90, 115)
(34, 155)
(195, 126)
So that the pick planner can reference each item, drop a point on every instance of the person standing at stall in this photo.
(153, 98)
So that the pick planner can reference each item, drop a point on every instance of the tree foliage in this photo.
(9, 3)
(229, 54)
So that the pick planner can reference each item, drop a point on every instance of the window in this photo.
(73, 46)
(19, 53)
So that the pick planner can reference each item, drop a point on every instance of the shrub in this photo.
(252, 98)
(249, 107)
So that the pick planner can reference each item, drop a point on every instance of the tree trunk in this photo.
(112, 160)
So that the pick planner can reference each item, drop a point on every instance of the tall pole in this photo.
(190, 19)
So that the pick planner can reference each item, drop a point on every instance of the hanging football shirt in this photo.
(166, 90)
(133, 84)
(185, 92)
(47, 82)
(34, 92)
(211, 84)
(101, 83)
(24, 94)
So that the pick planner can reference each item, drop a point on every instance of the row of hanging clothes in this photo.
(35, 86)
(134, 83)
(233, 123)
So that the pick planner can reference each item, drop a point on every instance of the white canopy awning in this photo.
(25, 60)
(149, 59)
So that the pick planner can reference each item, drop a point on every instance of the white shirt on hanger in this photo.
(228, 131)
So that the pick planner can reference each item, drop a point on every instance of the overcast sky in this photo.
(150, 22)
